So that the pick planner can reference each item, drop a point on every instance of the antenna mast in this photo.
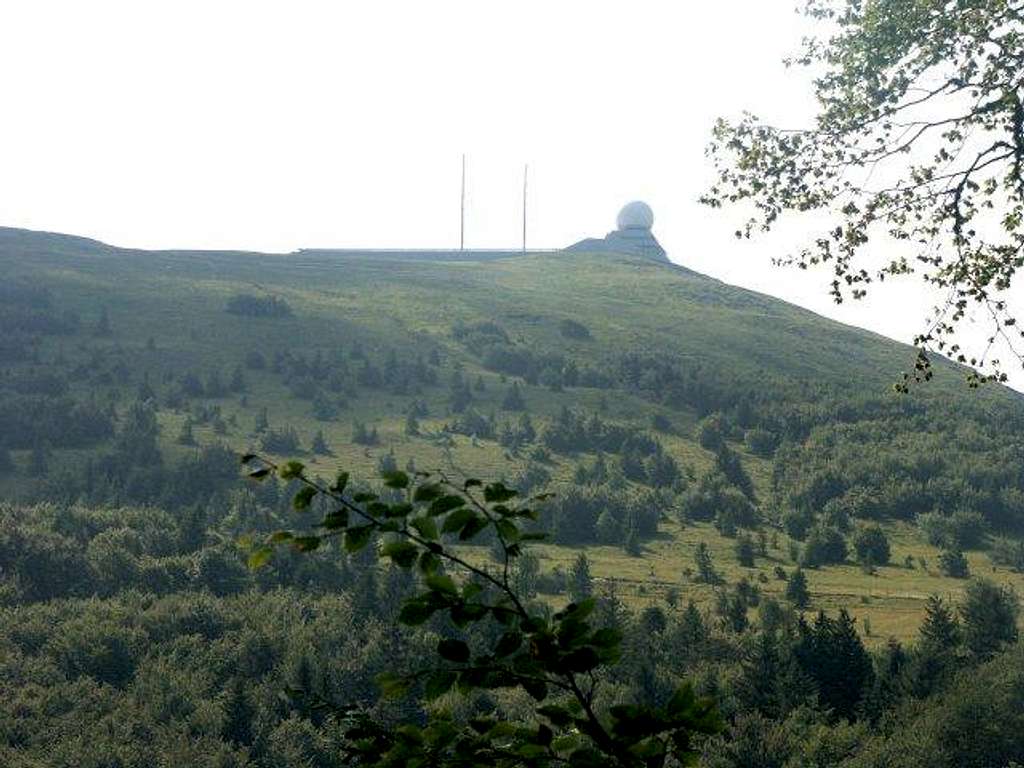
(526, 171)
(462, 208)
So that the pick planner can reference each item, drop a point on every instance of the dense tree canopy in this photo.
(914, 163)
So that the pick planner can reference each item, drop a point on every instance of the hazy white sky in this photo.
(279, 125)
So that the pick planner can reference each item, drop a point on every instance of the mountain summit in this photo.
(632, 235)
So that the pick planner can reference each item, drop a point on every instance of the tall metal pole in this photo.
(462, 209)
(526, 171)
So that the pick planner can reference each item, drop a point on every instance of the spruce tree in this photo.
(745, 551)
(527, 434)
(937, 649)
(412, 424)
(632, 541)
(581, 583)
(796, 590)
(238, 714)
(989, 613)
(513, 400)
(706, 573)
(853, 670)
(952, 563)
(940, 630)
(728, 462)
(238, 380)
(319, 444)
(185, 436)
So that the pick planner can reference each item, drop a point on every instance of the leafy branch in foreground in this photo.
(558, 660)
(915, 158)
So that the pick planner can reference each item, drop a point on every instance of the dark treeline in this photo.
(153, 643)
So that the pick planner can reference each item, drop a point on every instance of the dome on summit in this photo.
(636, 215)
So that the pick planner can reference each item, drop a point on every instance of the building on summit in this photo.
(632, 235)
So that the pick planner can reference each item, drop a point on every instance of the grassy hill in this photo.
(652, 348)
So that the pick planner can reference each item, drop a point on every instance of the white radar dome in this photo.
(636, 215)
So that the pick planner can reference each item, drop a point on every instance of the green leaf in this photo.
(457, 519)
(587, 757)
(260, 557)
(471, 589)
(415, 612)
(364, 496)
(498, 492)
(445, 504)
(402, 509)
(438, 684)
(335, 520)
(508, 644)
(357, 537)
(429, 563)
(392, 685)
(453, 650)
(427, 492)
(439, 582)
(531, 752)
(396, 479)
(577, 611)
(582, 659)
(606, 638)
(538, 689)
(402, 553)
(471, 483)
(378, 508)
(425, 527)
(304, 497)
(464, 613)
(476, 524)
(340, 483)
(306, 543)
(544, 735)
(560, 716)
(278, 537)
(507, 530)
(291, 470)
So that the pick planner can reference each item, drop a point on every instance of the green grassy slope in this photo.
(177, 299)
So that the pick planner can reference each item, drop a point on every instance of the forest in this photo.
(828, 570)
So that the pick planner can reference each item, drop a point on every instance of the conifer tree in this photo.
(989, 614)
(412, 424)
(238, 714)
(706, 573)
(513, 400)
(527, 434)
(940, 630)
(581, 583)
(796, 590)
(319, 444)
(185, 436)
(238, 384)
(745, 551)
